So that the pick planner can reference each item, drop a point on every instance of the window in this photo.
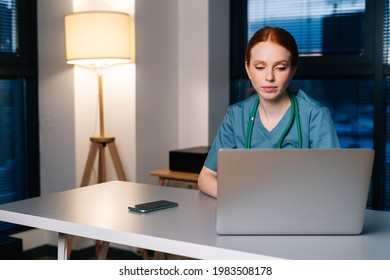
(8, 40)
(340, 67)
(386, 109)
(19, 160)
(320, 27)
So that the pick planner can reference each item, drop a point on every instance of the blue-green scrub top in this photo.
(317, 128)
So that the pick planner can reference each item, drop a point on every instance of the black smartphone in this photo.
(153, 206)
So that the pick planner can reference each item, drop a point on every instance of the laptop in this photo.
(292, 191)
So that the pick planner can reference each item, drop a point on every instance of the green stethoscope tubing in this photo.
(293, 114)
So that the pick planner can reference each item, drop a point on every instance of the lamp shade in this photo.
(98, 38)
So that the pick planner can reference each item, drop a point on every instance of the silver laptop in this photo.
(300, 191)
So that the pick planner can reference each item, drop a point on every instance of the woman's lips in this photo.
(269, 89)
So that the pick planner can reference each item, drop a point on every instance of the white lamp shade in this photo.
(98, 38)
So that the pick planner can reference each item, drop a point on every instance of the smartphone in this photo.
(153, 206)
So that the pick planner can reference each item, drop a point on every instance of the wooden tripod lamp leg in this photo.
(102, 163)
(89, 165)
(116, 161)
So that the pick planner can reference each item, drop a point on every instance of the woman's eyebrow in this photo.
(283, 61)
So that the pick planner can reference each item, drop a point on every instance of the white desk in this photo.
(100, 212)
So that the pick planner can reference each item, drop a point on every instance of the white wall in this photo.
(156, 84)
(218, 64)
(193, 73)
(56, 100)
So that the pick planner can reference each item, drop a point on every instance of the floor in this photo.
(113, 254)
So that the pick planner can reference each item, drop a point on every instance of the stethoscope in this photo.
(293, 114)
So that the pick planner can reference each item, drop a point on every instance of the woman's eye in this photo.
(260, 67)
(281, 68)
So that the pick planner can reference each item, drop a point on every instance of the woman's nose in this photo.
(270, 76)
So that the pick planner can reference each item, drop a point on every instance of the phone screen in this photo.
(153, 206)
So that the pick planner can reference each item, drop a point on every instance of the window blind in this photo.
(320, 27)
(386, 63)
(8, 27)
(387, 175)
(12, 142)
(386, 34)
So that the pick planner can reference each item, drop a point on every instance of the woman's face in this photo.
(270, 70)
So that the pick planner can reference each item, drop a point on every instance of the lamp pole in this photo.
(101, 111)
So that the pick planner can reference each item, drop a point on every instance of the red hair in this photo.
(275, 35)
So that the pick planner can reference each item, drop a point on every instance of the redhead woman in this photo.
(274, 117)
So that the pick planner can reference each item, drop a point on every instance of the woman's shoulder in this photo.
(307, 101)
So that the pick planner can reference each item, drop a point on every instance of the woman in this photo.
(275, 117)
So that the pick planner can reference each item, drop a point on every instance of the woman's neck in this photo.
(272, 111)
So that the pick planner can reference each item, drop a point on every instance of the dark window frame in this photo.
(24, 65)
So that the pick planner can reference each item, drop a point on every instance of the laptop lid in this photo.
(297, 191)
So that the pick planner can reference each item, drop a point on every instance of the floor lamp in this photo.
(99, 39)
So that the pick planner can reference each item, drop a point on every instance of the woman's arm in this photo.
(207, 181)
